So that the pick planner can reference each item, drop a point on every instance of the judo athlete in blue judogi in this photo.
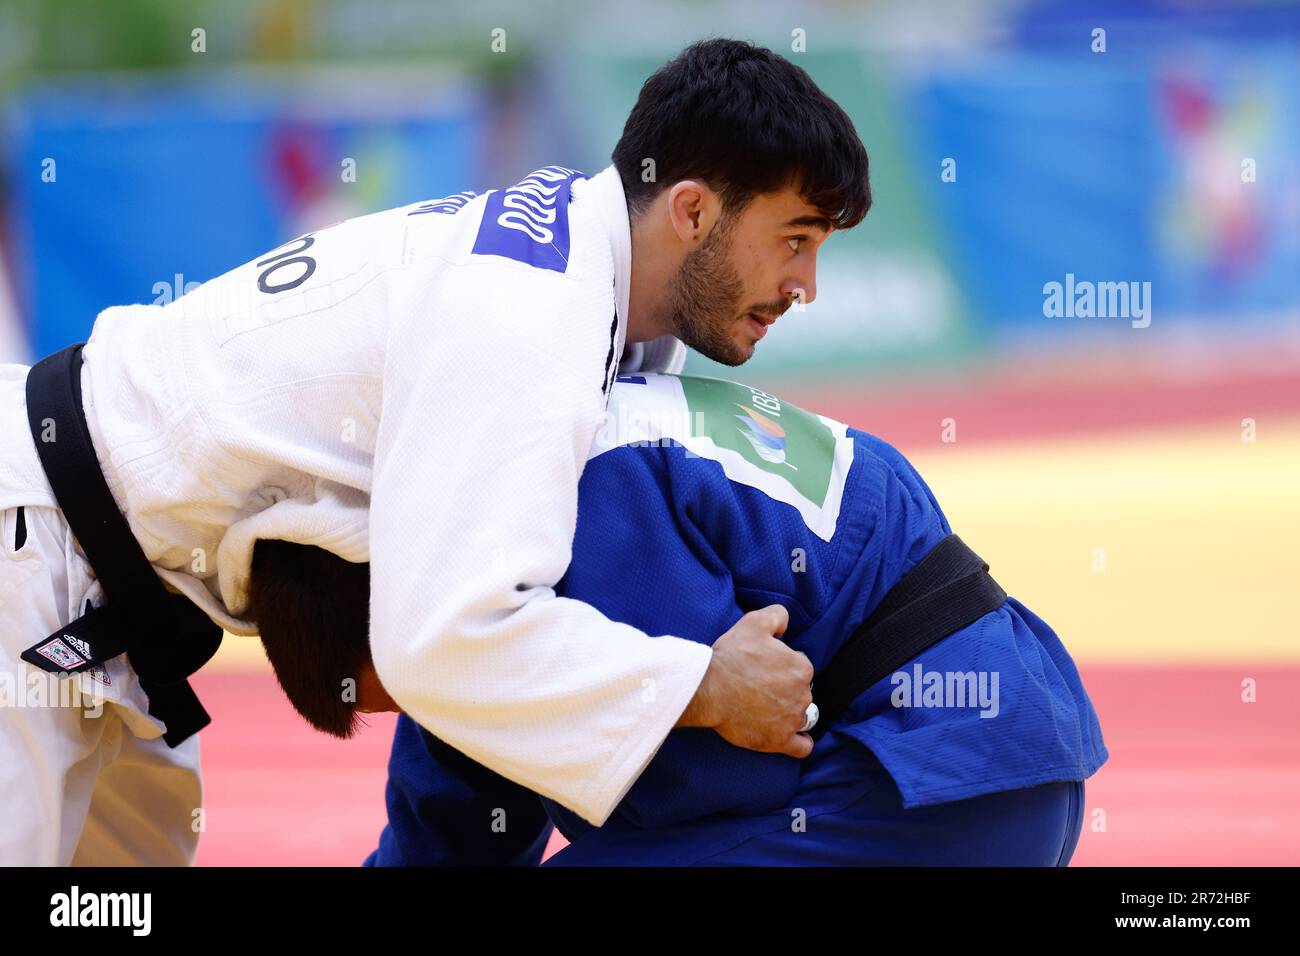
(705, 499)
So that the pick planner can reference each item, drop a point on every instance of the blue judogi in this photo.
(683, 538)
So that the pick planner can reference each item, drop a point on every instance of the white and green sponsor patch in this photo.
(787, 453)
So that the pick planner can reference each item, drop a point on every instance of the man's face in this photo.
(745, 274)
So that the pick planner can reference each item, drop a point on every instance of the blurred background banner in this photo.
(161, 185)
(1011, 144)
(1075, 305)
(1149, 173)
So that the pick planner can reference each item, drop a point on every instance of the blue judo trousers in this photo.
(974, 753)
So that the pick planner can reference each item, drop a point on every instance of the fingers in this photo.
(804, 671)
(800, 746)
(771, 685)
(774, 618)
(800, 743)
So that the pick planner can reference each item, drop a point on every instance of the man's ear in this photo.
(693, 210)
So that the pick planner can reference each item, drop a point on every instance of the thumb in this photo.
(774, 618)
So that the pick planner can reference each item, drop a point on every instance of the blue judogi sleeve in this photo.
(445, 809)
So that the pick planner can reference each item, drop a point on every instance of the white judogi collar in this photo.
(606, 188)
(664, 353)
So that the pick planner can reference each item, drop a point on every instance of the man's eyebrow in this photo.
(817, 222)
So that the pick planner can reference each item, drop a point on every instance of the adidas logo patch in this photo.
(82, 647)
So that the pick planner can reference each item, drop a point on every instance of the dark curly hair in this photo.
(746, 121)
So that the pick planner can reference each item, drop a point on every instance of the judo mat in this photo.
(1136, 520)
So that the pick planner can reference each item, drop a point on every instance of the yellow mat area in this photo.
(1171, 546)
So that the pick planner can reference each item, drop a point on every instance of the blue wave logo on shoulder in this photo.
(447, 206)
(529, 222)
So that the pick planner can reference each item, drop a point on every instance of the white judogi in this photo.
(85, 776)
(416, 388)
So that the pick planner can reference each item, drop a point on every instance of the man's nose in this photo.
(801, 288)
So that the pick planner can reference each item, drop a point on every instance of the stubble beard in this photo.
(703, 299)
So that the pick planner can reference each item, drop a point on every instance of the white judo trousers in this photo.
(85, 777)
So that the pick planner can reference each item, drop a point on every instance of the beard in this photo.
(704, 299)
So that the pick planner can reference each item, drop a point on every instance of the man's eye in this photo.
(794, 243)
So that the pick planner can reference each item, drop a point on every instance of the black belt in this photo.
(166, 637)
(948, 589)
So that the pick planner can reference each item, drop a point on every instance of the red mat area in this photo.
(277, 792)
(986, 408)
(1196, 776)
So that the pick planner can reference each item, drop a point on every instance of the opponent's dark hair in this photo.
(312, 610)
(746, 121)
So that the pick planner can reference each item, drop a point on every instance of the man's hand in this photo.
(756, 691)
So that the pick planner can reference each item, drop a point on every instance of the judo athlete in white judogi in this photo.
(371, 388)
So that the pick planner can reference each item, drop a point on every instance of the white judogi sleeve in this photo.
(470, 534)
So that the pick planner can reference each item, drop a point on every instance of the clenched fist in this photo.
(756, 691)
